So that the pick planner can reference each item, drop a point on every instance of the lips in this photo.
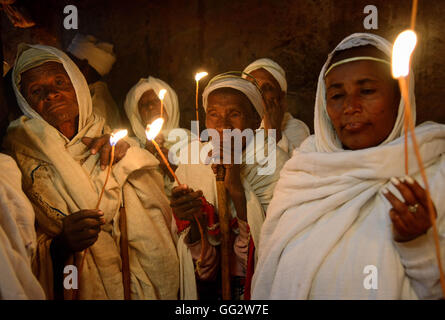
(354, 126)
(55, 107)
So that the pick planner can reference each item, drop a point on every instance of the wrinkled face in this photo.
(49, 91)
(268, 84)
(362, 103)
(149, 107)
(230, 109)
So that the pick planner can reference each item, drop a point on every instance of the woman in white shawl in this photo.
(341, 225)
(142, 106)
(230, 102)
(63, 180)
(271, 78)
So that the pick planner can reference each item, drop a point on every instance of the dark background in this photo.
(172, 39)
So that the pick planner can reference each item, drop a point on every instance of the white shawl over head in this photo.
(249, 89)
(272, 67)
(171, 106)
(328, 219)
(61, 177)
(325, 137)
(31, 56)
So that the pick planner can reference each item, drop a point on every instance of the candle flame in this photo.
(401, 53)
(162, 93)
(200, 75)
(154, 128)
(115, 137)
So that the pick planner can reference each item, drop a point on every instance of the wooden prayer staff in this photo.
(151, 132)
(224, 224)
(162, 93)
(198, 77)
(114, 138)
(401, 58)
(126, 278)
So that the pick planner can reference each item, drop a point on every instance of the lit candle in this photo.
(151, 132)
(198, 77)
(161, 95)
(114, 138)
(401, 60)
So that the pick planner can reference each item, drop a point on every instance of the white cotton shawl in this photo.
(258, 189)
(328, 220)
(325, 137)
(100, 55)
(171, 106)
(249, 89)
(17, 237)
(31, 56)
(270, 66)
(61, 177)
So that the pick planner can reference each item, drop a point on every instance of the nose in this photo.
(51, 94)
(352, 104)
(223, 123)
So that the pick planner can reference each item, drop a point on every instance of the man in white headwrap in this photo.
(271, 79)
(95, 60)
(142, 106)
(64, 180)
(341, 224)
(17, 237)
(230, 102)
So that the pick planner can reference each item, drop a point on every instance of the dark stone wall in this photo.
(173, 39)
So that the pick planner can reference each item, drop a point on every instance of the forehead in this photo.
(262, 75)
(148, 95)
(358, 70)
(43, 71)
(227, 99)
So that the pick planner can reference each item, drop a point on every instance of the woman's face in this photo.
(149, 107)
(230, 109)
(267, 82)
(49, 91)
(362, 103)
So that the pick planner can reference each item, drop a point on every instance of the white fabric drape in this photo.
(17, 237)
(328, 219)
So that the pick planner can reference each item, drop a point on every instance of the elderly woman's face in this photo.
(267, 82)
(149, 107)
(362, 103)
(49, 91)
(230, 109)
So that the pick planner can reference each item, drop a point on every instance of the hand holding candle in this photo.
(401, 60)
(151, 132)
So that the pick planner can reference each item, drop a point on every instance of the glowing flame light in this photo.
(200, 75)
(115, 137)
(154, 128)
(401, 53)
(162, 93)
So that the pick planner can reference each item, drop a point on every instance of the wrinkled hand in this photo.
(408, 225)
(102, 145)
(186, 203)
(274, 109)
(81, 229)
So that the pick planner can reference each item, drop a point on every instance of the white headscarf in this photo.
(100, 55)
(240, 84)
(31, 56)
(326, 139)
(272, 67)
(171, 105)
